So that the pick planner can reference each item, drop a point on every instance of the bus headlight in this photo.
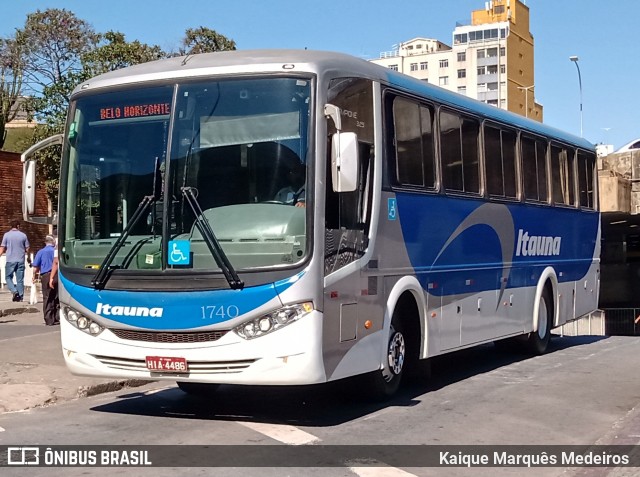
(273, 321)
(82, 322)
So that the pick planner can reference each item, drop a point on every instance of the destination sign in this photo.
(135, 111)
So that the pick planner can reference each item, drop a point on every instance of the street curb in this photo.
(95, 389)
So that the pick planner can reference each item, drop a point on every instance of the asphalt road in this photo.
(583, 392)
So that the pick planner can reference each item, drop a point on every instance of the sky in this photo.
(602, 34)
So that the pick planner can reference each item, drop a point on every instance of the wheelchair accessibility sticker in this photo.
(392, 209)
(179, 252)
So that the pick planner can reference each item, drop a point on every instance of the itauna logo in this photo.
(109, 310)
(536, 245)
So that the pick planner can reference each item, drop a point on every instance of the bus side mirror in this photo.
(344, 153)
(29, 180)
(344, 161)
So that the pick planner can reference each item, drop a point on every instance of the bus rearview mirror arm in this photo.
(29, 180)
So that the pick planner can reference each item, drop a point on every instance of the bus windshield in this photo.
(237, 147)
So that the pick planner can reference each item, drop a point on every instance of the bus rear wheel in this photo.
(197, 389)
(538, 341)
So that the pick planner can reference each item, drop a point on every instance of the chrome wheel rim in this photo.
(396, 353)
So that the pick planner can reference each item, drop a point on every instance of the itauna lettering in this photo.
(110, 310)
(537, 245)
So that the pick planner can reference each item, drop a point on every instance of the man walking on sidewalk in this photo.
(16, 244)
(42, 269)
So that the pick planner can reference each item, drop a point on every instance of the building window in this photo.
(482, 87)
(491, 34)
(423, 65)
(492, 86)
(480, 54)
(492, 69)
(498, 9)
(414, 66)
(503, 51)
(393, 67)
(443, 80)
(492, 52)
(475, 35)
(503, 69)
(462, 89)
(462, 73)
(444, 63)
(460, 38)
(482, 70)
(462, 56)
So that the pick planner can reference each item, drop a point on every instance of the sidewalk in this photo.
(33, 372)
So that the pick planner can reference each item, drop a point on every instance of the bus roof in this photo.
(269, 61)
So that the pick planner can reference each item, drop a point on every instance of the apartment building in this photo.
(491, 59)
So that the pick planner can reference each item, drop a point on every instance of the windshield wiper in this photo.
(212, 242)
(105, 269)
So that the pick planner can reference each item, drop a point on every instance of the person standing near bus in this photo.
(42, 268)
(16, 244)
(53, 276)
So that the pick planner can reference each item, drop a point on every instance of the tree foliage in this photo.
(204, 40)
(11, 74)
(54, 52)
(53, 42)
(114, 53)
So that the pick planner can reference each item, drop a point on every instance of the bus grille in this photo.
(169, 336)
(195, 367)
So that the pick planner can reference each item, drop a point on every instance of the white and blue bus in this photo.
(299, 217)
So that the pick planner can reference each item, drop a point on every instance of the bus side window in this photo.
(413, 129)
(586, 167)
(562, 175)
(534, 168)
(500, 160)
(459, 152)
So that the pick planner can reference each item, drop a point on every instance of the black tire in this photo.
(386, 381)
(198, 389)
(538, 341)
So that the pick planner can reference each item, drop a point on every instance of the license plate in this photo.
(166, 364)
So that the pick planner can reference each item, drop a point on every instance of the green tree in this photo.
(54, 41)
(204, 40)
(114, 53)
(11, 77)
(110, 53)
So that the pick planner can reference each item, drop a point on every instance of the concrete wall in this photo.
(625, 166)
(615, 193)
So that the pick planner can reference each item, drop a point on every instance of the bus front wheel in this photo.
(386, 381)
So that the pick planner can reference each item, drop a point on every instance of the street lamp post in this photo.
(575, 60)
(526, 98)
